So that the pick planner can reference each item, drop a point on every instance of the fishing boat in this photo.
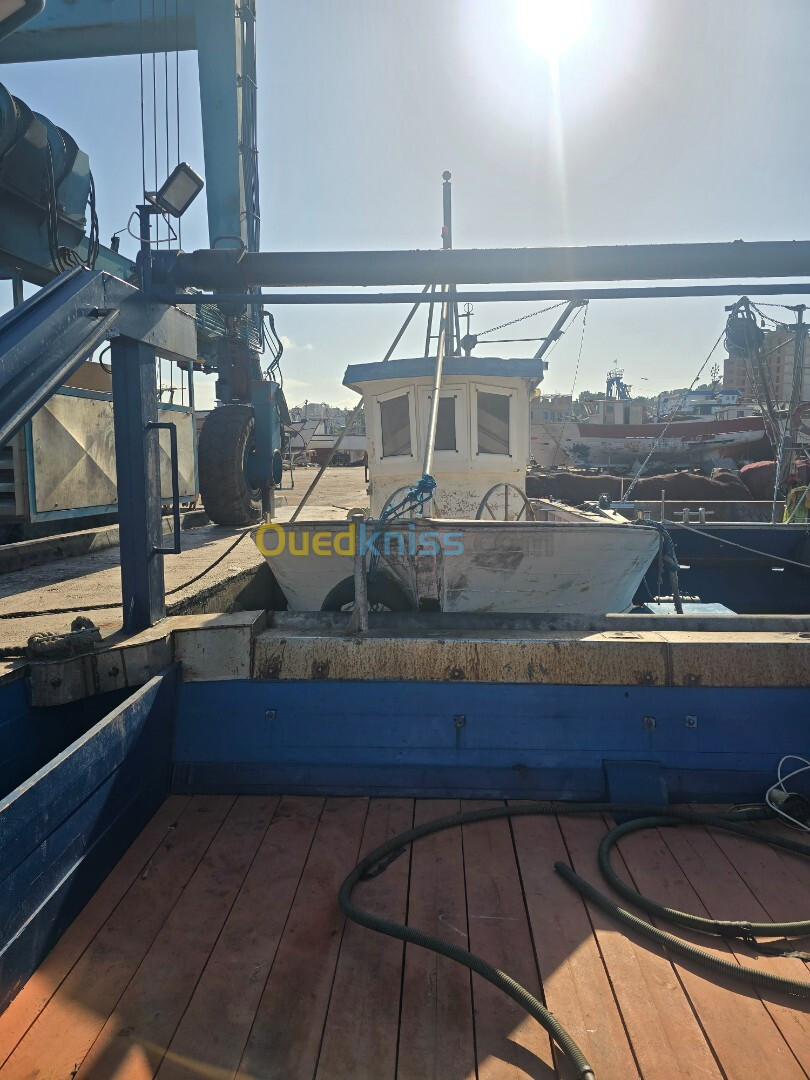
(478, 544)
(699, 427)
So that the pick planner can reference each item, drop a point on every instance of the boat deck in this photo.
(216, 949)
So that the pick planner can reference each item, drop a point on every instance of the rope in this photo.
(658, 816)
(742, 547)
(117, 603)
(584, 310)
(667, 558)
(686, 393)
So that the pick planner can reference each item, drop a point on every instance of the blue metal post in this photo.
(219, 57)
(134, 382)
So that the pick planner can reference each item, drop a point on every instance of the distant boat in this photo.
(690, 430)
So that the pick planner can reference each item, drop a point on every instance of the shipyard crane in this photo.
(48, 222)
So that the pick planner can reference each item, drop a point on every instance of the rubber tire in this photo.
(226, 496)
(382, 591)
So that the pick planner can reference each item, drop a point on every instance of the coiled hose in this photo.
(379, 859)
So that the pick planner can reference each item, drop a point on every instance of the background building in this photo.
(778, 356)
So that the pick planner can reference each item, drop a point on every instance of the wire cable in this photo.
(686, 393)
(584, 310)
(780, 785)
(117, 603)
(522, 318)
(734, 544)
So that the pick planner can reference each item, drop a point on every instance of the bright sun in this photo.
(551, 26)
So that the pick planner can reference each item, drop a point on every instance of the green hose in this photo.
(378, 860)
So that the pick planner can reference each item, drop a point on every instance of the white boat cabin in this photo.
(482, 434)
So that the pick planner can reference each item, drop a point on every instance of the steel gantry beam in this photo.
(233, 271)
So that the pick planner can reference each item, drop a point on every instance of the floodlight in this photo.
(179, 191)
(13, 13)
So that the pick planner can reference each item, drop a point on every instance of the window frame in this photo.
(501, 391)
(401, 391)
(459, 394)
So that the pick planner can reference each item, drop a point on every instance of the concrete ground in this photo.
(80, 583)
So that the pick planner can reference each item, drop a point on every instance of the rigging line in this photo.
(764, 392)
(584, 310)
(677, 409)
(769, 318)
(521, 318)
(734, 544)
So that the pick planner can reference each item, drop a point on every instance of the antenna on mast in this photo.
(453, 324)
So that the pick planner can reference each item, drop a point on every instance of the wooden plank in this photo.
(509, 1043)
(666, 1035)
(286, 1035)
(436, 1040)
(134, 1039)
(212, 1035)
(769, 1021)
(775, 881)
(576, 984)
(362, 1023)
(43, 984)
(742, 1035)
(76, 1013)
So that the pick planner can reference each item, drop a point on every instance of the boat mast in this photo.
(453, 327)
(447, 337)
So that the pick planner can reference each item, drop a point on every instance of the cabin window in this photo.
(627, 414)
(395, 423)
(446, 425)
(493, 423)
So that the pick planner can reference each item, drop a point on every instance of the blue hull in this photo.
(751, 584)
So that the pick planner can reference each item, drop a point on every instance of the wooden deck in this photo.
(216, 949)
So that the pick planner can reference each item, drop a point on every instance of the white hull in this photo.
(585, 567)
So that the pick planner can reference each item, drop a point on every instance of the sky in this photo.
(666, 121)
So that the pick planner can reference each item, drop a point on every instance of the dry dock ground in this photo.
(80, 583)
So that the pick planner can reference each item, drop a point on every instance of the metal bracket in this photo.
(163, 425)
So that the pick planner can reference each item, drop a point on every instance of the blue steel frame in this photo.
(223, 33)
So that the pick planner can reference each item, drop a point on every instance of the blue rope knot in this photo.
(419, 494)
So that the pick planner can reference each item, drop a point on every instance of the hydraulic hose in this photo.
(378, 860)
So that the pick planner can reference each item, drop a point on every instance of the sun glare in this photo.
(552, 26)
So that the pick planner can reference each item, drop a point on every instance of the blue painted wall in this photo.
(30, 737)
(482, 740)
